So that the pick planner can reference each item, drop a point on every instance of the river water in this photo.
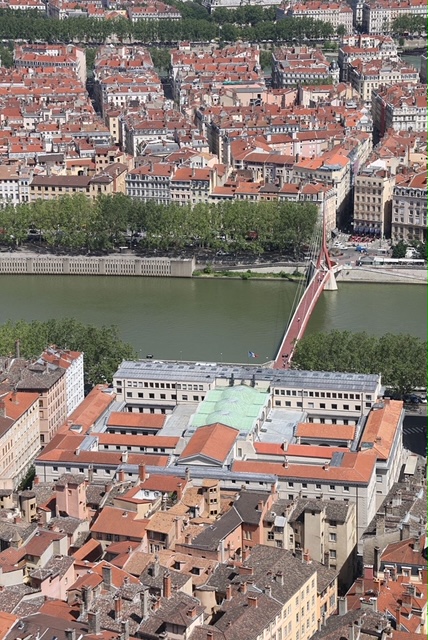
(209, 319)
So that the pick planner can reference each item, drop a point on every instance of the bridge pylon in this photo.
(325, 262)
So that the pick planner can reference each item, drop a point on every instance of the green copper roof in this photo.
(237, 407)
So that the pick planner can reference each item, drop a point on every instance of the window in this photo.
(333, 554)
(322, 405)
(270, 535)
(129, 394)
(332, 487)
(318, 486)
(332, 537)
(184, 397)
(334, 406)
(346, 488)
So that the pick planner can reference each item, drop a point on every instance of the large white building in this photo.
(19, 436)
(335, 13)
(379, 15)
(72, 362)
(409, 210)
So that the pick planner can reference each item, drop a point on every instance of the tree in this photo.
(399, 250)
(102, 346)
(341, 30)
(401, 359)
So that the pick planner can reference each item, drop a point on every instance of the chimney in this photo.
(124, 630)
(245, 554)
(417, 544)
(252, 601)
(17, 349)
(243, 587)
(398, 618)
(268, 590)
(229, 592)
(70, 634)
(142, 472)
(117, 606)
(260, 505)
(2, 409)
(343, 606)
(121, 476)
(188, 538)
(167, 588)
(144, 600)
(192, 612)
(94, 625)
(279, 577)
(155, 568)
(179, 490)
(306, 558)
(406, 597)
(210, 635)
(405, 531)
(107, 575)
(87, 597)
(368, 572)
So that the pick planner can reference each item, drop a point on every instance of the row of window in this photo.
(321, 394)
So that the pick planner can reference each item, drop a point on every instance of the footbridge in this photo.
(320, 277)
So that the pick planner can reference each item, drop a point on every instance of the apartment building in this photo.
(378, 15)
(37, 56)
(48, 380)
(301, 65)
(108, 181)
(365, 77)
(423, 69)
(154, 10)
(212, 5)
(373, 189)
(402, 107)
(327, 530)
(334, 13)
(293, 584)
(19, 436)
(409, 213)
(365, 48)
(72, 362)
(151, 182)
(10, 192)
(320, 194)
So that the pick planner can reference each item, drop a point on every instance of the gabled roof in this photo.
(212, 442)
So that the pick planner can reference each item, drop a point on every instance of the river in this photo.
(219, 320)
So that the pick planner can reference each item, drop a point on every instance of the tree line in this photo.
(402, 359)
(250, 24)
(103, 348)
(409, 24)
(76, 223)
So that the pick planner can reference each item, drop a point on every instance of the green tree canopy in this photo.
(401, 359)
(102, 346)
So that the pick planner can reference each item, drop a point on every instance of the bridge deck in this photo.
(300, 319)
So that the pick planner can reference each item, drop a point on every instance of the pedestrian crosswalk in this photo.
(414, 430)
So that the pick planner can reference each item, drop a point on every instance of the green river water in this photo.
(204, 320)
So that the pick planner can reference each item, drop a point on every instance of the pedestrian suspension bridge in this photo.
(320, 277)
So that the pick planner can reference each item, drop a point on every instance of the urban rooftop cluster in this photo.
(222, 134)
(207, 501)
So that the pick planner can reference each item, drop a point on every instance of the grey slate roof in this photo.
(335, 509)
(211, 536)
(266, 563)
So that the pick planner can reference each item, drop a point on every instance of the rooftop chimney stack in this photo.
(117, 607)
(167, 587)
(229, 592)
(94, 624)
(107, 577)
(252, 601)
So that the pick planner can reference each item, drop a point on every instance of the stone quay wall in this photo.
(30, 264)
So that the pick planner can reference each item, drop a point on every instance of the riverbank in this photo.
(379, 275)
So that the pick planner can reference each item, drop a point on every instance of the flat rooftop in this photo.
(210, 371)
